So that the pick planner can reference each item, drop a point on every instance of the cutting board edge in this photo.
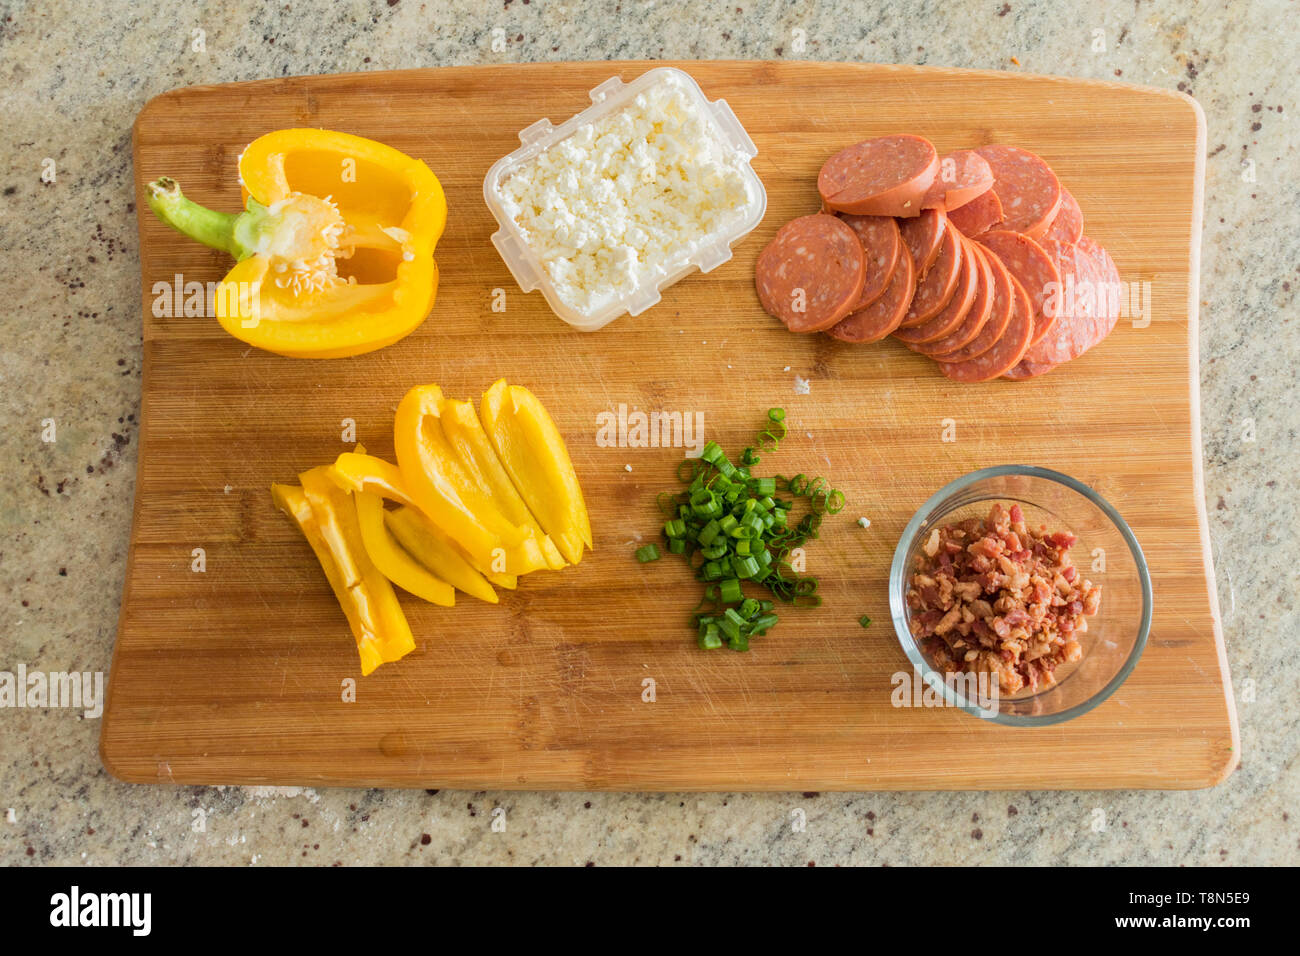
(617, 65)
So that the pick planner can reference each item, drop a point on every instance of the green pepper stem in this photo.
(216, 229)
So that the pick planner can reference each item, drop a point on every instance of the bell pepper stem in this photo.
(212, 228)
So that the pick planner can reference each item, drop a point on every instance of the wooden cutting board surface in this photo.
(236, 674)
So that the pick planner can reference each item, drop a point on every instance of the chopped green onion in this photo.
(647, 553)
(864, 621)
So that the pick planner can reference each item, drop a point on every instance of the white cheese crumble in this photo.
(624, 202)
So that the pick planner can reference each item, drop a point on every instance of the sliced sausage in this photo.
(1031, 267)
(963, 175)
(1008, 350)
(881, 317)
(976, 316)
(954, 313)
(1029, 191)
(887, 176)
(939, 284)
(999, 315)
(1080, 305)
(1067, 224)
(881, 245)
(979, 215)
(811, 273)
(1024, 370)
(923, 235)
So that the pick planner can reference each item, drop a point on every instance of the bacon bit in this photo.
(994, 596)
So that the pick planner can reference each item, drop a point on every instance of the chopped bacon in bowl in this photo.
(992, 595)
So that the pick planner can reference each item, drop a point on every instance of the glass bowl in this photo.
(1106, 552)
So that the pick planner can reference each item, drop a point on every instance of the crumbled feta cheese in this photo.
(802, 386)
(623, 202)
(864, 523)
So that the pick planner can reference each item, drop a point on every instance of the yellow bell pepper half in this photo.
(450, 497)
(334, 248)
(533, 453)
(327, 517)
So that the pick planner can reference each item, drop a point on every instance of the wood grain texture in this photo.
(234, 675)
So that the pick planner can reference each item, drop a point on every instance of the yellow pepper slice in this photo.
(447, 495)
(327, 518)
(357, 472)
(422, 539)
(392, 560)
(533, 453)
(334, 248)
(465, 433)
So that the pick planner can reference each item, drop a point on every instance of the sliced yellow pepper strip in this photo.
(447, 495)
(533, 453)
(392, 560)
(327, 518)
(465, 432)
(357, 471)
(426, 544)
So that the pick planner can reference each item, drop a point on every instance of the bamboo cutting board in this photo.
(236, 674)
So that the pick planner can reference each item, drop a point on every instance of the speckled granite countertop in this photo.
(74, 74)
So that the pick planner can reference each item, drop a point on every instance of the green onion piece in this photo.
(647, 553)
(709, 639)
(864, 621)
(677, 545)
(739, 642)
(729, 591)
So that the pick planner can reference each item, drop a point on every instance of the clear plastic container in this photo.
(706, 254)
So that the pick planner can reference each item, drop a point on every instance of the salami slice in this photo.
(881, 317)
(979, 215)
(1031, 267)
(976, 316)
(811, 273)
(881, 245)
(1029, 191)
(954, 313)
(923, 235)
(1024, 370)
(887, 176)
(999, 315)
(963, 175)
(1067, 224)
(1081, 306)
(939, 284)
(1008, 350)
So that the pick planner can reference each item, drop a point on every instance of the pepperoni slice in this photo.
(923, 235)
(954, 313)
(1029, 191)
(999, 316)
(811, 273)
(979, 215)
(1004, 355)
(887, 176)
(1031, 267)
(1081, 306)
(963, 175)
(881, 245)
(881, 317)
(976, 316)
(1067, 224)
(939, 284)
